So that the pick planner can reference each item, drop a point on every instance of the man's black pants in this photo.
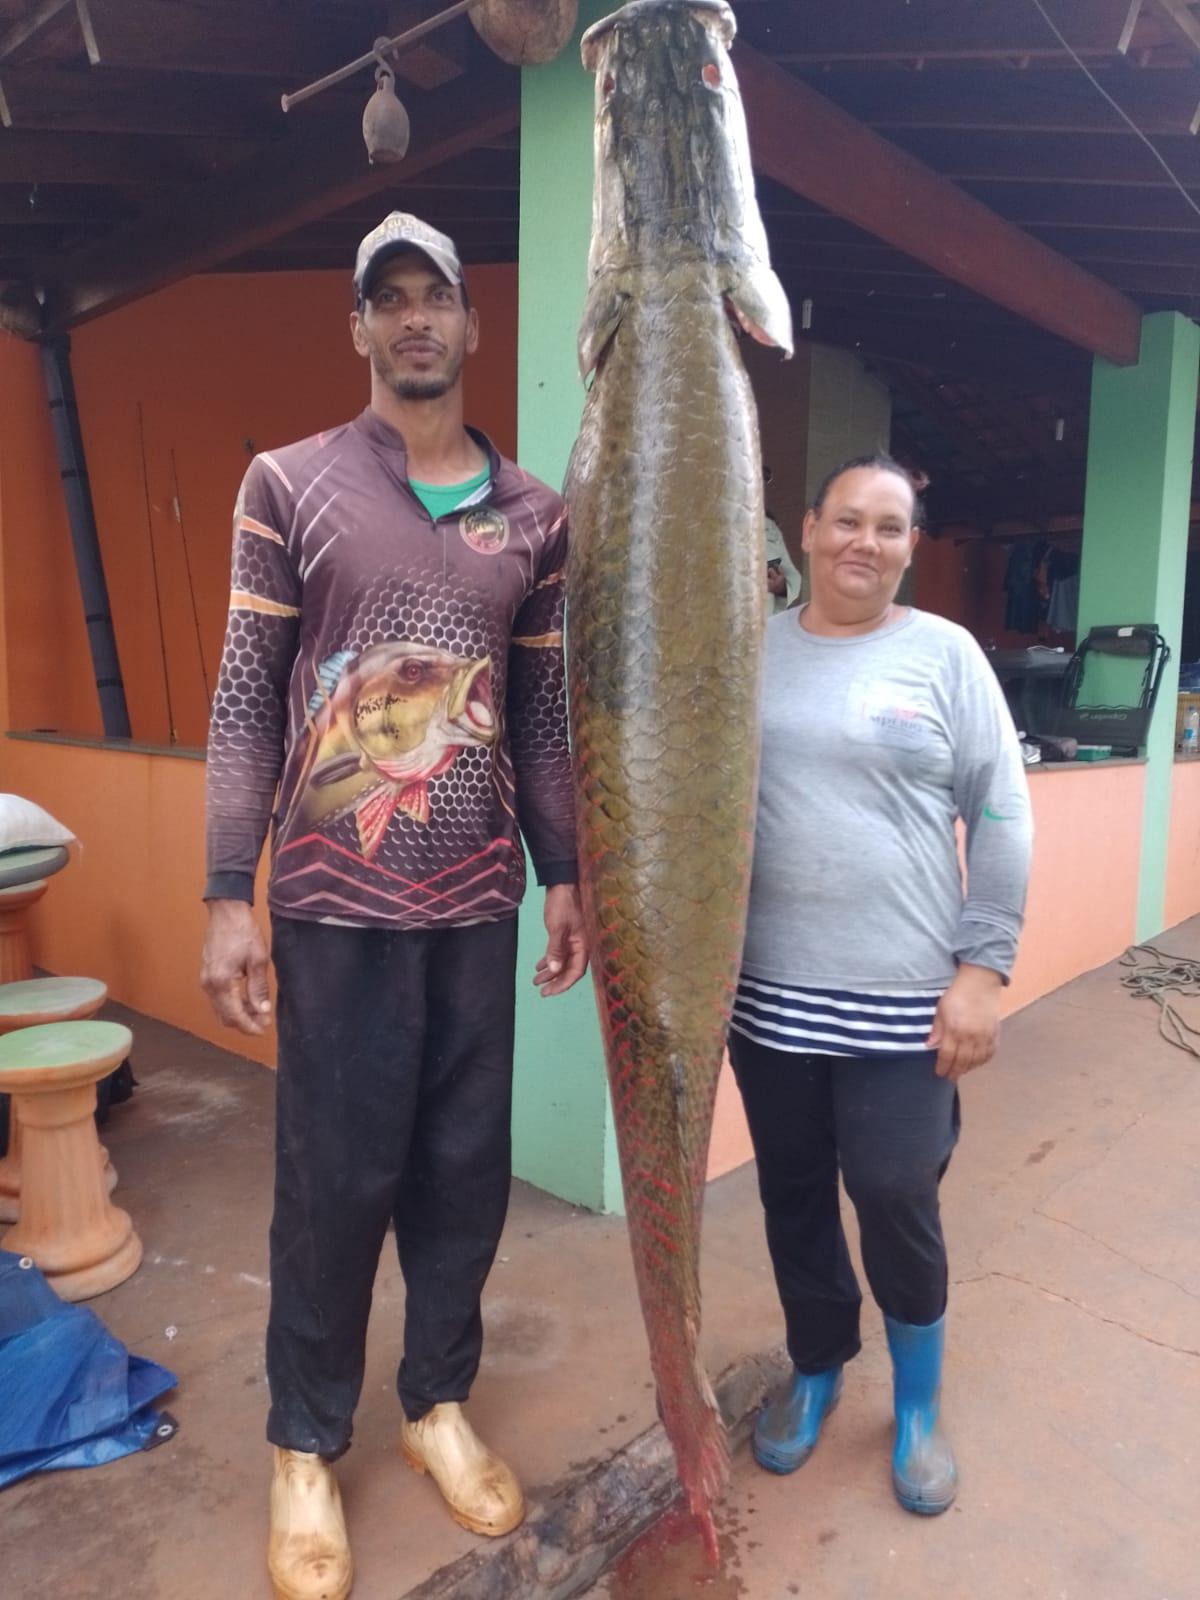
(891, 1125)
(394, 1100)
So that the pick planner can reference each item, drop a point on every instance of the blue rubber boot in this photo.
(923, 1472)
(787, 1429)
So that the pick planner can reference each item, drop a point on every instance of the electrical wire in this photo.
(1154, 975)
(1121, 112)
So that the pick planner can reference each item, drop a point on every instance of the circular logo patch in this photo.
(485, 530)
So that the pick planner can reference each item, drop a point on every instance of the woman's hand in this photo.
(966, 1024)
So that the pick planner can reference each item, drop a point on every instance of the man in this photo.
(392, 697)
(783, 580)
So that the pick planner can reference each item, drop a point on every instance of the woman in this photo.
(871, 982)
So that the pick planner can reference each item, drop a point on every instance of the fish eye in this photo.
(610, 83)
(711, 74)
(412, 672)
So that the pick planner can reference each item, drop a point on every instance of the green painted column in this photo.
(1135, 532)
(561, 1135)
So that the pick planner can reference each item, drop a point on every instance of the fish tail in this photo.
(696, 1430)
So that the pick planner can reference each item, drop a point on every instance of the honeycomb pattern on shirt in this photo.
(425, 609)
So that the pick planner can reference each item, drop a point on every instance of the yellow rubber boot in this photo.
(481, 1491)
(309, 1554)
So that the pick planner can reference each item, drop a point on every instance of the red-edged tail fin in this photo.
(697, 1434)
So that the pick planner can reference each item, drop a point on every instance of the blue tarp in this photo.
(71, 1395)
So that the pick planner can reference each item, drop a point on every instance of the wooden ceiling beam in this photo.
(318, 170)
(1095, 245)
(289, 44)
(811, 146)
(104, 158)
(437, 59)
(43, 97)
(452, 205)
(1185, 20)
(1044, 100)
(1097, 160)
(1087, 206)
(29, 205)
(25, 28)
(932, 30)
(1161, 278)
(1021, 363)
(341, 235)
(281, 258)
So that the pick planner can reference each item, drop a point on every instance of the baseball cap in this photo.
(400, 231)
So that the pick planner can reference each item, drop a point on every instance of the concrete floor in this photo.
(1073, 1383)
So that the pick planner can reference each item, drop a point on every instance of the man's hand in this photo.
(233, 970)
(776, 582)
(966, 1024)
(566, 958)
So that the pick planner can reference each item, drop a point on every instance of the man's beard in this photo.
(410, 386)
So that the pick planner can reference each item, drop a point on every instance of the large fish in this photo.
(665, 589)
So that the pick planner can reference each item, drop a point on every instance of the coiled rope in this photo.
(1155, 975)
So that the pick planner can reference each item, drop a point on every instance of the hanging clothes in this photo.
(1024, 605)
(1062, 614)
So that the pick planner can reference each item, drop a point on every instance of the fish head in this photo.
(666, 167)
(674, 180)
(405, 706)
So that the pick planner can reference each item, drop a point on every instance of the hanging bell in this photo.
(385, 121)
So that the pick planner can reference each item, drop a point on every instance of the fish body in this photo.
(385, 724)
(664, 638)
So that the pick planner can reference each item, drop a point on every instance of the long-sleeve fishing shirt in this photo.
(875, 746)
(391, 695)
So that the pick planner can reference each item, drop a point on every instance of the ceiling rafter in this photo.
(809, 145)
(931, 30)
(315, 171)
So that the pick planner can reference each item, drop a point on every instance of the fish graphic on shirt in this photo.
(383, 725)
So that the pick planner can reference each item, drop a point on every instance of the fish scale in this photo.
(665, 582)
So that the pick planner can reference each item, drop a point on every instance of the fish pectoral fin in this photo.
(372, 816)
(760, 305)
(414, 801)
(602, 315)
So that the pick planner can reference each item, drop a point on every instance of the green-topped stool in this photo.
(30, 1005)
(23, 875)
(68, 1225)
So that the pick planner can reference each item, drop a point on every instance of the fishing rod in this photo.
(187, 560)
(162, 632)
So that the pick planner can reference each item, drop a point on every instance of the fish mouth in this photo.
(471, 709)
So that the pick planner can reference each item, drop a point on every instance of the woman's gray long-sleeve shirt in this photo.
(873, 747)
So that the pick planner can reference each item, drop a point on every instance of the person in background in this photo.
(783, 580)
(391, 697)
(871, 981)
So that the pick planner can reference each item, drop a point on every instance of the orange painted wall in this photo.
(1082, 897)
(1082, 907)
(49, 668)
(127, 909)
(1183, 844)
(174, 393)
(946, 579)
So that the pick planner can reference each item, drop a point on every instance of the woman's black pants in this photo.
(890, 1125)
(394, 1100)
